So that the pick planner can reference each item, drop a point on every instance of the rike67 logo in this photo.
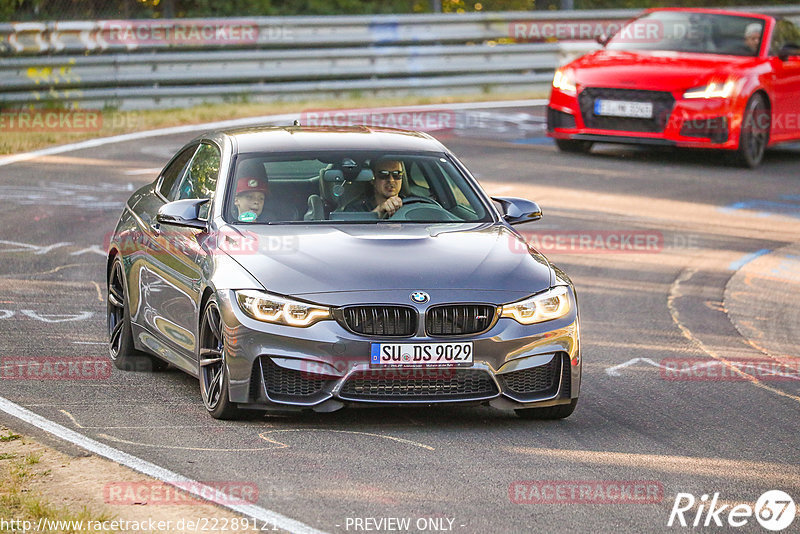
(774, 510)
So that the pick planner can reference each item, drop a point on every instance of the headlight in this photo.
(280, 310)
(712, 90)
(564, 81)
(546, 306)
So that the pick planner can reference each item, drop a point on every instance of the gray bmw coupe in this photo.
(296, 268)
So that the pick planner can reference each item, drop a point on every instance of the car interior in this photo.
(327, 189)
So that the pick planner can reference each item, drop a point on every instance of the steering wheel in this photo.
(411, 199)
(432, 212)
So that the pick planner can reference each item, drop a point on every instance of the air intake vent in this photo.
(288, 384)
(419, 385)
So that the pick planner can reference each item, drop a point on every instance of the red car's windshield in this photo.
(683, 31)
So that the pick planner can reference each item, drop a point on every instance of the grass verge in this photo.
(22, 508)
(121, 122)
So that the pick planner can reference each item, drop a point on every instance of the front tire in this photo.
(121, 348)
(560, 411)
(212, 368)
(754, 133)
(574, 147)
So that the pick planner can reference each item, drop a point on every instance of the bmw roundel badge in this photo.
(420, 297)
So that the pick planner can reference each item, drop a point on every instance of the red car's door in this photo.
(786, 83)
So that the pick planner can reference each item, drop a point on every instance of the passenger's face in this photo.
(388, 178)
(752, 41)
(250, 201)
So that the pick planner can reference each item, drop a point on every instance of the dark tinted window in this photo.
(171, 173)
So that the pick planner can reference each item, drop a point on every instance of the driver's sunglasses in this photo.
(385, 175)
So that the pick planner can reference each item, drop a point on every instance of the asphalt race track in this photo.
(716, 283)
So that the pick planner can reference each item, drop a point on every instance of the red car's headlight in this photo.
(712, 90)
(564, 81)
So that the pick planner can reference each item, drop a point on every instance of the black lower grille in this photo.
(715, 128)
(411, 385)
(662, 101)
(539, 380)
(287, 384)
(393, 321)
(566, 376)
(559, 119)
(460, 319)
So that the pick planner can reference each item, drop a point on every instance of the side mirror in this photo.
(789, 49)
(519, 210)
(184, 213)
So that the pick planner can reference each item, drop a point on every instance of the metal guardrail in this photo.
(158, 63)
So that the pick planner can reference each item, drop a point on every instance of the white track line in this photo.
(286, 117)
(198, 489)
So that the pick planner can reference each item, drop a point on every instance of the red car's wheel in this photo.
(754, 134)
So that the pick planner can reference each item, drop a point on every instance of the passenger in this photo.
(250, 196)
(752, 37)
(254, 203)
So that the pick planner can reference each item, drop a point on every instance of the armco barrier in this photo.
(174, 63)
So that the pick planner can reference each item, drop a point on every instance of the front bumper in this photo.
(694, 123)
(325, 367)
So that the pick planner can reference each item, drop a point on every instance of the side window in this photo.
(174, 170)
(785, 32)
(200, 180)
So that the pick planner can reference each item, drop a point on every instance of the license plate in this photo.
(422, 354)
(620, 108)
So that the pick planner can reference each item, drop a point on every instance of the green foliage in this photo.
(641, 4)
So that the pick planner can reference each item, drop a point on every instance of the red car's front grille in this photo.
(662, 101)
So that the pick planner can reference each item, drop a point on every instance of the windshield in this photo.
(351, 187)
(682, 31)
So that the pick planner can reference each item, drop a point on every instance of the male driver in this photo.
(752, 36)
(386, 185)
(250, 196)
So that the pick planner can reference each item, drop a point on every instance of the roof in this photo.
(302, 138)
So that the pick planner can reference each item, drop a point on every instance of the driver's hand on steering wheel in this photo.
(389, 207)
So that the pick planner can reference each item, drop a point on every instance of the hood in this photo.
(313, 259)
(665, 71)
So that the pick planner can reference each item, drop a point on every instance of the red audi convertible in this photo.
(702, 78)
